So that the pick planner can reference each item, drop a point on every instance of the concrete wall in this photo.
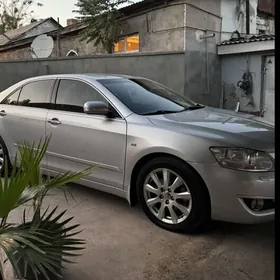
(203, 70)
(233, 68)
(172, 69)
(159, 30)
(167, 68)
(211, 6)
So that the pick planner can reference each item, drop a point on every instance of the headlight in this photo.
(243, 159)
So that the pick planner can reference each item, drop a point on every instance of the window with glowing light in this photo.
(127, 44)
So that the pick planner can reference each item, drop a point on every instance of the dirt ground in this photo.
(122, 244)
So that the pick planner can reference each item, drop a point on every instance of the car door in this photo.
(80, 140)
(23, 115)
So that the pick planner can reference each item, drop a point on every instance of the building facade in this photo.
(147, 26)
(11, 40)
(261, 15)
(248, 75)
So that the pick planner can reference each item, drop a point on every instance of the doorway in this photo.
(269, 88)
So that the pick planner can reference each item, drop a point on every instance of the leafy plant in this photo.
(102, 20)
(37, 248)
(30, 158)
(13, 194)
(59, 245)
(14, 13)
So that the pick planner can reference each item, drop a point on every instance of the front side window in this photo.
(12, 99)
(145, 97)
(72, 95)
(36, 94)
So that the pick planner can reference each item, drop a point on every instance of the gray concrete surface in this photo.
(166, 68)
(122, 244)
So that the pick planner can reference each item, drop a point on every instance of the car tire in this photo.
(192, 194)
(4, 158)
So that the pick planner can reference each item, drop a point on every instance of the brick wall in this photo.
(81, 47)
(66, 45)
(14, 54)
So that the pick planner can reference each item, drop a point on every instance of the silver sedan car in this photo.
(185, 163)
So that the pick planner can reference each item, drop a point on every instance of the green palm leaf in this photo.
(39, 247)
(58, 248)
(12, 190)
(13, 240)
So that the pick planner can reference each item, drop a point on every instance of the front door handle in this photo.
(3, 113)
(54, 121)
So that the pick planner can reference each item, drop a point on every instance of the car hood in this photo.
(228, 127)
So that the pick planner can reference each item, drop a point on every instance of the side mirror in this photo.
(96, 108)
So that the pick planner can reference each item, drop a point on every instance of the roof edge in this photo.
(22, 34)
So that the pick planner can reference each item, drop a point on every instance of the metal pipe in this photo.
(263, 73)
(185, 27)
(247, 17)
(212, 35)
(58, 51)
(207, 59)
(207, 68)
(237, 107)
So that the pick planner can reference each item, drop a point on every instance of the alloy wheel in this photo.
(2, 157)
(167, 196)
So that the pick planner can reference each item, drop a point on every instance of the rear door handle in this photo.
(3, 113)
(54, 121)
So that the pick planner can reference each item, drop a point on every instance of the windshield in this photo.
(145, 97)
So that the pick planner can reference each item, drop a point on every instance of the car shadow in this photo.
(116, 234)
(266, 230)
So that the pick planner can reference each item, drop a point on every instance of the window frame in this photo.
(55, 94)
(72, 51)
(50, 105)
(31, 82)
(125, 44)
(9, 95)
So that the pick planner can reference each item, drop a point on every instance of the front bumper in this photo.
(228, 188)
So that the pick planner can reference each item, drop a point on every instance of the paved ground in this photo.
(123, 245)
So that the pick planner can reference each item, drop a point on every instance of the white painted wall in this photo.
(234, 17)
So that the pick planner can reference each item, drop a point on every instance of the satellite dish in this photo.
(42, 46)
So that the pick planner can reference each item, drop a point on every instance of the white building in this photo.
(233, 13)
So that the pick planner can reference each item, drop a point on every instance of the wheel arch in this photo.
(141, 162)
(5, 147)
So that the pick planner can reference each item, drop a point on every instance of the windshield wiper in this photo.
(196, 107)
(160, 112)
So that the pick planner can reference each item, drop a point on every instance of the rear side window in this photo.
(36, 94)
(72, 95)
(12, 99)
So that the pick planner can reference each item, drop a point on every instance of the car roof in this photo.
(86, 76)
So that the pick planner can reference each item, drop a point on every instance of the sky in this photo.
(61, 9)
